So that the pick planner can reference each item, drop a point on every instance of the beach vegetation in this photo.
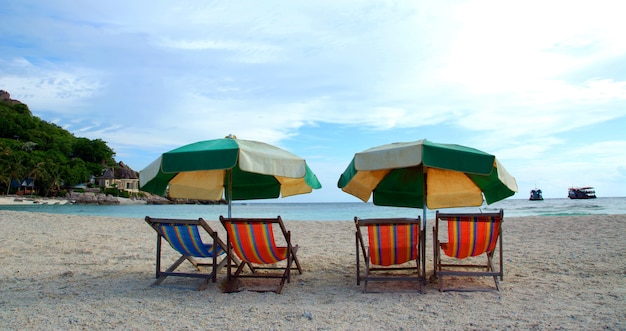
(45, 154)
(115, 192)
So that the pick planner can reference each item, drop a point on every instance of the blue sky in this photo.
(540, 84)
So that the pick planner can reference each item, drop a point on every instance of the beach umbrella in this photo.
(427, 174)
(229, 168)
(424, 174)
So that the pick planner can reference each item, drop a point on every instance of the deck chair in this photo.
(393, 245)
(469, 236)
(183, 235)
(252, 240)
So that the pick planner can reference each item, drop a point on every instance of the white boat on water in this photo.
(536, 194)
(586, 192)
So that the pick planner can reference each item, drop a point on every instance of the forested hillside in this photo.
(44, 152)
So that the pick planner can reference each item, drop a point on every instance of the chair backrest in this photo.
(391, 240)
(253, 241)
(471, 234)
(184, 236)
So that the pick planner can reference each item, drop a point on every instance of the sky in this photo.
(539, 84)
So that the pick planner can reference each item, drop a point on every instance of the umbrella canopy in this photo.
(235, 169)
(424, 174)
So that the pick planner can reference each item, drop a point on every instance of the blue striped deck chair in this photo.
(392, 252)
(470, 236)
(253, 241)
(183, 235)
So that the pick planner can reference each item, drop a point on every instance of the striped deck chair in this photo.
(469, 235)
(393, 246)
(252, 240)
(183, 235)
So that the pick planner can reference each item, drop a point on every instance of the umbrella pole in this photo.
(424, 245)
(229, 196)
(424, 230)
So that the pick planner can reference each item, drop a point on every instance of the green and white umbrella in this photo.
(424, 174)
(229, 168)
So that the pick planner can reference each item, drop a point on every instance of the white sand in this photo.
(66, 272)
(28, 200)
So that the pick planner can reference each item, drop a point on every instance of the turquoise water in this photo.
(331, 211)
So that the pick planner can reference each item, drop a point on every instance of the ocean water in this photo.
(331, 211)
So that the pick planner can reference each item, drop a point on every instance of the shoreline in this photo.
(16, 200)
(315, 211)
(87, 272)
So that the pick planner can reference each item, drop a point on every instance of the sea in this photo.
(332, 211)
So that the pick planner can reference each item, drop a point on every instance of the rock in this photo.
(91, 198)
(5, 96)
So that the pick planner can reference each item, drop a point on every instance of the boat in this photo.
(536, 194)
(586, 192)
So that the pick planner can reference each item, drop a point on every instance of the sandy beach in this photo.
(27, 200)
(67, 272)
(14, 200)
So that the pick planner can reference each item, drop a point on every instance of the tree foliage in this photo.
(50, 155)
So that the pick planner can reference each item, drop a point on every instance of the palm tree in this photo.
(37, 171)
(12, 168)
(5, 174)
(54, 179)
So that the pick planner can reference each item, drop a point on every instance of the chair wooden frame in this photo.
(255, 266)
(452, 266)
(374, 273)
(215, 263)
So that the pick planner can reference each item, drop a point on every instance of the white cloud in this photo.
(505, 46)
(54, 89)
(514, 79)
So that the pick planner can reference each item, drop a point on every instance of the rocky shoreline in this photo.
(92, 198)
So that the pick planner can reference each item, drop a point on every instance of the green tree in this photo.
(33, 147)
(76, 172)
(54, 180)
(15, 168)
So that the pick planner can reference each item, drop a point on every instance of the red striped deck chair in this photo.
(469, 237)
(252, 240)
(184, 237)
(392, 251)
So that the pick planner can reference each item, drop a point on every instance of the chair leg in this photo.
(294, 251)
(437, 259)
(419, 271)
(162, 275)
(158, 256)
(492, 268)
(282, 281)
(367, 273)
(288, 269)
(215, 267)
(358, 262)
(422, 256)
(229, 258)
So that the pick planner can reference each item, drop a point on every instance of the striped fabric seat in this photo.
(392, 243)
(254, 242)
(471, 236)
(185, 238)
(183, 235)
